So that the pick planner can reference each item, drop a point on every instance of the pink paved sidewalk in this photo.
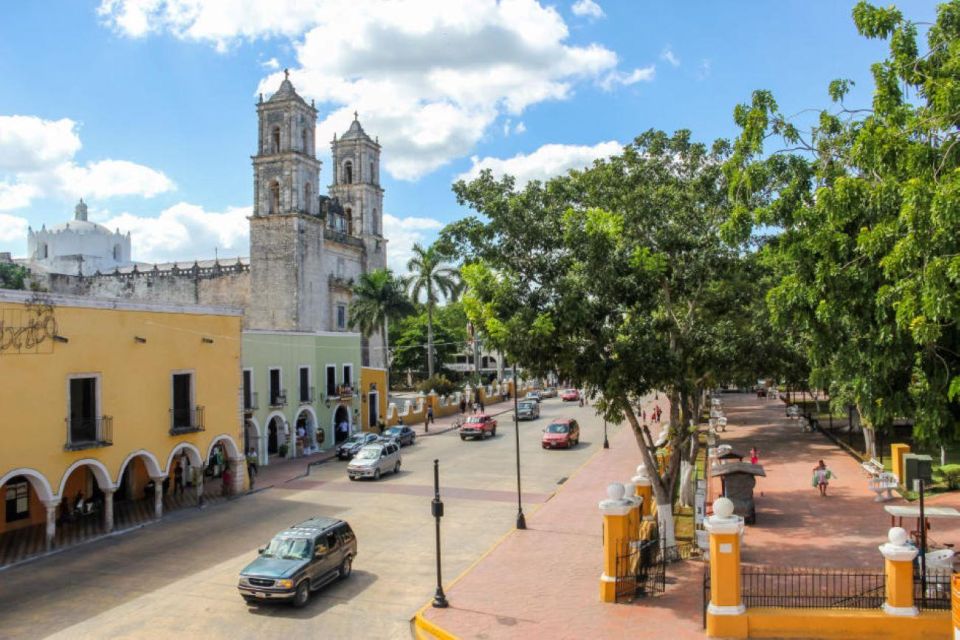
(795, 525)
(544, 582)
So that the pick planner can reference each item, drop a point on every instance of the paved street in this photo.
(177, 578)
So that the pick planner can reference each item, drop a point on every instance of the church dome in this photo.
(355, 132)
(286, 90)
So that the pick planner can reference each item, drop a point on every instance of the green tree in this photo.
(431, 278)
(12, 276)
(615, 277)
(868, 203)
(378, 298)
(410, 344)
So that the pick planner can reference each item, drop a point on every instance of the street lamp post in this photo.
(436, 508)
(521, 520)
(606, 443)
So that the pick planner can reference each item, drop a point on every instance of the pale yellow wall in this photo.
(370, 375)
(135, 385)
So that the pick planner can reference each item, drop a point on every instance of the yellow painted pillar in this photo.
(644, 491)
(897, 451)
(616, 538)
(725, 613)
(898, 567)
(955, 604)
(633, 518)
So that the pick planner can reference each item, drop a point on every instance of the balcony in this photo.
(88, 433)
(279, 399)
(307, 395)
(345, 391)
(186, 421)
(250, 402)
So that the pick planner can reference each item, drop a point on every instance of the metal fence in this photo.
(936, 595)
(812, 588)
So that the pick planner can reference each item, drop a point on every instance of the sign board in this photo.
(700, 506)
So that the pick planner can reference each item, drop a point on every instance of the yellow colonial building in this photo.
(109, 407)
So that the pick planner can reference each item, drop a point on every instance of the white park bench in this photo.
(873, 467)
(793, 411)
(884, 482)
(722, 423)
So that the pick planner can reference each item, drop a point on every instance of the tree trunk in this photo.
(688, 466)
(386, 356)
(429, 339)
(869, 436)
(662, 486)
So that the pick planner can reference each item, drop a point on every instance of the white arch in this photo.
(308, 409)
(233, 451)
(37, 480)
(149, 460)
(99, 472)
(256, 425)
(313, 425)
(192, 452)
(281, 435)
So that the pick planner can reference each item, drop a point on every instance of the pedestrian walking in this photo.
(227, 479)
(644, 413)
(463, 405)
(252, 465)
(754, 456)
(821, 477)
(430, 418)
(381, 426)
(481, 406)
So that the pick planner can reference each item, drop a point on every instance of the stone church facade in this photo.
(306, 250)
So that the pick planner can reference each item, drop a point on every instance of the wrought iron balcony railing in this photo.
(88, 433)
(251, 401)
(307, 395)
(186, 420)
(278, 399)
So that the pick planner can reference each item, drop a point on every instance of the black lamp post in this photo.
(521, 521)
(606, 443)
(436, 508)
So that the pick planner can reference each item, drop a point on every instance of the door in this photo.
(373, 404)
(332, 555)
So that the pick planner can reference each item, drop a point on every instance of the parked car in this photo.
(374, 460)
(561, 433)
(300, 560)
(570, 395)
(528, 410)
(354, 443)
(479, 425)
(534, 395)
(549, 392)
(403, 435)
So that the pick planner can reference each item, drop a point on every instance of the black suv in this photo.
(300, 560)
(354, 443)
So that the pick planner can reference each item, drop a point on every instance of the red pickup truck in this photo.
(479, 425)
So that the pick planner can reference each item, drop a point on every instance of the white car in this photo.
(374, 460)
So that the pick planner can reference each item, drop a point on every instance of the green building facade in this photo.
(299, 391)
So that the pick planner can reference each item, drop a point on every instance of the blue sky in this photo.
(146, 107)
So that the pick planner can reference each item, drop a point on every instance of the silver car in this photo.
(374, 460)
(528, 410)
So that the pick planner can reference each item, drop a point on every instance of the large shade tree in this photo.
(869, 204)
(432, 279)
(378, 298)
(617, 278)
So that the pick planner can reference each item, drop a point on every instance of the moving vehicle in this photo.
(570, 395)
(479, 425)
(402, 434)
(528, 410)
(534, 395)
(375, 459)
(354, 443)
(550, 392)
(561, 433)
(300, 560)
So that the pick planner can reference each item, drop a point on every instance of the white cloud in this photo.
(185, 231)
(668, 55)
(28, 143)
(520, 128)
(430, 77)
(703, 71)
(12, 228)
(587, 8)
(615, 77)
(37, 159)
(548, 161)
(402, 234)
(272, 64)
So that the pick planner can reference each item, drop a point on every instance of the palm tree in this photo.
(379, 297)
(430, 275)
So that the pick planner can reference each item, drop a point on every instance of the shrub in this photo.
(951, 475)
(441, 384)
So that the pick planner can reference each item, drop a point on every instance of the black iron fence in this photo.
(934, 595)
(87, 433)
(641, 567)
(811, 588)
